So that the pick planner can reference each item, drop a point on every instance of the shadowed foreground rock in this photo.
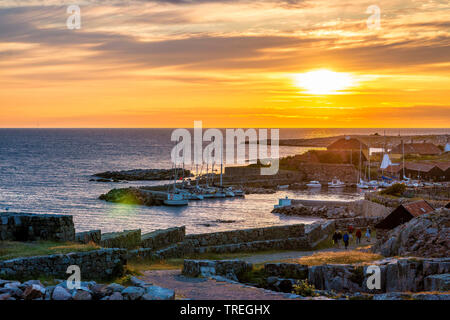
(425, 236)
(35, 290)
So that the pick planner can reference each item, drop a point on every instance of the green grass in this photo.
(16, 249)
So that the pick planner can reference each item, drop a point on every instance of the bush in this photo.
(303, 288)
(394, 190)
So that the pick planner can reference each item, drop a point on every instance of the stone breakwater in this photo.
(29, 227)
(97, 264)
(35, 290)
(141, 174)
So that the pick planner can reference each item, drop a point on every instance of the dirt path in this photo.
(208, 289)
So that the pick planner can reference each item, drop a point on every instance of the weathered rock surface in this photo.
(425, 236)
(89, 236)
(131, 195)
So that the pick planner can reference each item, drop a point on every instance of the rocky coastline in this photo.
(140, 175)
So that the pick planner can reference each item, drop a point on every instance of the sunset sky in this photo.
(229, 63)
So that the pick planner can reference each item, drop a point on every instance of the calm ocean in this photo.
(48, 171)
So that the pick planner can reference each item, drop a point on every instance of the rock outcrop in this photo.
(131, 196)
(141, 174)
(425, 236)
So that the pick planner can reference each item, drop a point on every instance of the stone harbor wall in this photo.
(163, 238)
(94, 236)
(334, 209)
(30, 227)
(97, 264)
(246, 235)
(127, 239)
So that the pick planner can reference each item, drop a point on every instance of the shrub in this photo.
(394, 190)
(303, 288)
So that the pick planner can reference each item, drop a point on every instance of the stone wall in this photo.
(246, 235)
(94, 236)
(300, 243)
(358, 222)
(334, 209)
(29, 227)
(230, 269)
(126, 239)
(97, 264)
(163, 238)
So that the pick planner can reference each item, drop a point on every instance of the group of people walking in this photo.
(347, 237)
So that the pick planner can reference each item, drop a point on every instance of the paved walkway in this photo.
(208, 289)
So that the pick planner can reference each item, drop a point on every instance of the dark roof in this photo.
(418, 208)
(403, 213)
(348, 144)
(419, 166)
(444, 166)
(417, 148)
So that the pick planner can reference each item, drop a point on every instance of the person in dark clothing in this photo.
(336, 238)
(346, 238)
(350, 229)
(358, 236)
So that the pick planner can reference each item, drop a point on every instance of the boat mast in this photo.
(369, 159)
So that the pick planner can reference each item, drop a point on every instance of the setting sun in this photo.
(322, 82)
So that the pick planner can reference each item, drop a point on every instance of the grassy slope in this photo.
(15, 249)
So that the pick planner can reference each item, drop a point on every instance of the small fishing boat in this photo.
(314, 184)
(175, 199)
(284, 202)
(336, 183)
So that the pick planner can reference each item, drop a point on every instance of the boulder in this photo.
(59, 293)
(133, 293)
(82, 295)
(116, 296)
(33, 291)
(158, 293)
(115, 287)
